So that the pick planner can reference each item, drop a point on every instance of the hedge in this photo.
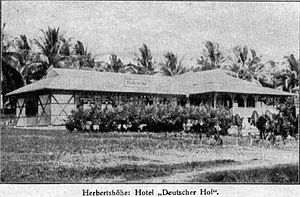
(154, 118)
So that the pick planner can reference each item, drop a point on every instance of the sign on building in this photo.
(131, 82)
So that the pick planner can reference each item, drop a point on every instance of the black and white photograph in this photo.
(150, 92)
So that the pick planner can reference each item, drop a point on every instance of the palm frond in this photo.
(12, 79)
(294, 65)
(165, 70)
(145, 60)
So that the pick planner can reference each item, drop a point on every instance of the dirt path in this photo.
(187, 177)
(270, 158)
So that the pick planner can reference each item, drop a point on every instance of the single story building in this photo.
(50, 100)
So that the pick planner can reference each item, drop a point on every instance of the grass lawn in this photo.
(60, 156)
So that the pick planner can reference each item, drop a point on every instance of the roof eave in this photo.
(30, 91)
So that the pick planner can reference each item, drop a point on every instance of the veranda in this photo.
(48, 102)
(52, 108)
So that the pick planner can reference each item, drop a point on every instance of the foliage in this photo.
(245, 63)
(157, 118)
(54, 51)
(52, 45)
(171, 66)
(292, 75)
(11, 78)
(145, 61)
(211, 58)
(22, 64)
(81, 57)
(116, 64)
(290, 120)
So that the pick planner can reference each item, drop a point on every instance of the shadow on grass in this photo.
(41, 173)
(287, 173)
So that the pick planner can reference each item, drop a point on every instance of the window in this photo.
(182, 101)
(148, 100)
(250, 101)
(31, 108)
(239, 100)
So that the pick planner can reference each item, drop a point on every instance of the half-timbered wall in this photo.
(20, 112)
(61, 107)
(53, 109)
(44, 110)
(43, 116)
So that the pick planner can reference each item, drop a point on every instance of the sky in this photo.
(272, 29)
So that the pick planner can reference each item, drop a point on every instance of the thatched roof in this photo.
(189, 83)
(220, 81)
(85, 80)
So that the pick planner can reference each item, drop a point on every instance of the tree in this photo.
(81, 58)
(131, 68)
(11, 78)
(26, 61)
(283, 75)
(292, 74)
(22, 45)
(245, 63)
(211, 58)
(32, 67)
(145, 62)
(54, 47)
(116, 64)
(266, 74)
(171, 66)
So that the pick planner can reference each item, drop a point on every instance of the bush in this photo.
(77, 120)
(290, 120)
(155, 118)
(70, 126)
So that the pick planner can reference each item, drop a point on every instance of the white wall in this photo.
(44, 110)
(20, 112)
(61, 107)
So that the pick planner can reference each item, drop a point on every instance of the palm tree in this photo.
(116, 64)
(171, 66)
(145, 62)
(265, 73)
(245, 63)
(131, 68)
(101, 66)
(292, 75)
(11, 78)
(211, 58)
(54, 47)
(26, 61)
(81, 57)
(22, 45)
(32, 67)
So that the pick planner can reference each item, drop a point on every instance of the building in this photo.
(50, 100)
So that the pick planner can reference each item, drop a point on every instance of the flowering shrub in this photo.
(155, 118)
